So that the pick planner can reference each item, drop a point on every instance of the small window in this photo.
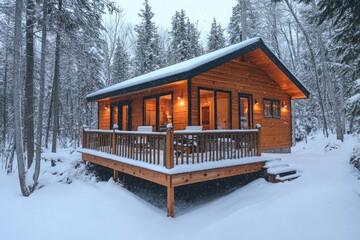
(271, 108)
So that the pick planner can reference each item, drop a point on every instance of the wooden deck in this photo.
(159, 160)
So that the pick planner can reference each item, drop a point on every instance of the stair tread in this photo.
(288, 177)
(275, 164)
(279, 170)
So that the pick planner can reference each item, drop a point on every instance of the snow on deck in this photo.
(175, 69)
(182, 168)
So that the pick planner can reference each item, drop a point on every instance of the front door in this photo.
(120, 114)
(125, 116)
(245, 111)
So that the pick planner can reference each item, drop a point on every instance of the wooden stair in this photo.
(277, 171)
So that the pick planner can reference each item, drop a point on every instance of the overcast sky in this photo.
(202, 11)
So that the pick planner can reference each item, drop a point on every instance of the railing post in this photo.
(113, 142)
(169, 161)
(258, 147)
(84, 142)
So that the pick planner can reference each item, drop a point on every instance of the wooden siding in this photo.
(180, 116)
(239, 76)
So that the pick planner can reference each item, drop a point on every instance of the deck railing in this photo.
(175, 147)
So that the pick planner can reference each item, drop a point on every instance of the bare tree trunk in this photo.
(5, 86)
(48, 122)
(17, 101)
(42, 93)
(274, 30)
(56, 94)
(29, 83)
(56, 89)
(329, 80)
(244, 26)
(312, 56)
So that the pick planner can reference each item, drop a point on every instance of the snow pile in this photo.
(323, 204)
(355, 156)
(68, 166)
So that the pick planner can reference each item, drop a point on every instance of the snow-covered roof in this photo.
(186, 70)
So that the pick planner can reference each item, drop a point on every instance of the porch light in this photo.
(106, 107)
(284, 105)
(256, 102)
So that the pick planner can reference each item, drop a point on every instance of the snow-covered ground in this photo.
(324, 203)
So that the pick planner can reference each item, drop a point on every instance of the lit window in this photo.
(271, 108)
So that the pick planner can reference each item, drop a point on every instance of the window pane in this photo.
(207, 109)
(276, 109)
(125, 117)
(244, 112)
(267, 108)
(114, 115)
(150, 112)
(223, 110)
(165, 111)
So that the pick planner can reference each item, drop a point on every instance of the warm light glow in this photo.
(182, 103)
(256, 102)
(284, 105)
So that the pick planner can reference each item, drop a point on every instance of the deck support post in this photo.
(170, 201)
(116, 175)
(169, 161)
(84, 143)
(258, 147)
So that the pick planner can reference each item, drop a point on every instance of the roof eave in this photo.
(203, 68)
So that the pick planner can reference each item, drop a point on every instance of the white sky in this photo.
(202, 11)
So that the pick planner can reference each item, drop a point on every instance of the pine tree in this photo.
(184, 37)
(180, 42)
(147, 44)
(121, 64)
(216, 39)
(242, 22)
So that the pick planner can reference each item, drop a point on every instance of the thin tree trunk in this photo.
(29, 83)
(42, 93)
(243, 19)
(329, 80)
(17, 100)
(56, 94)
(312, 56)
(48, 122)
(56, 89)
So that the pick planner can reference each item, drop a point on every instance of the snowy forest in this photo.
(55, 52)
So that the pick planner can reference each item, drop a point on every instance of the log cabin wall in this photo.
(180, 107)
(239, 76)
(236, 76)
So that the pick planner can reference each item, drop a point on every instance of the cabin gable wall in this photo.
(239, 76)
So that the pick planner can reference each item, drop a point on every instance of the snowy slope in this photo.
(324, 203)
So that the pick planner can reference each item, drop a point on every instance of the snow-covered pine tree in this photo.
(242, 22)
(147, 43)
(216, 39)
(121, 64)
(184, 39)
(196, 49)
(180, 41)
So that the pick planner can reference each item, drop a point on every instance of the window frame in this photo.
(272, 102)
(215, 105)
(250, 110)
(157, 108)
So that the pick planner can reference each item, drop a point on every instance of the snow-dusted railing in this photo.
(142, 146)
(214, 145)
(175, 147)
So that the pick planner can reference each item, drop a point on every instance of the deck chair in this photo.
(140, 141)
(188, 144)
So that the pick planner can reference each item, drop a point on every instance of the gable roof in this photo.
(198, 65)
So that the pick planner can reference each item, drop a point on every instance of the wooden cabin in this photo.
(229, 92)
